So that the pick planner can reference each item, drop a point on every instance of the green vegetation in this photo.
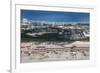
(47, 37)
(83, 26)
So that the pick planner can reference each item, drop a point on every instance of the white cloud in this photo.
(24, 20)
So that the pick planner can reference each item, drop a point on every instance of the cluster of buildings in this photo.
(49, 50)
(62, 29)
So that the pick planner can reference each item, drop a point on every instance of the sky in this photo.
(55, 16)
